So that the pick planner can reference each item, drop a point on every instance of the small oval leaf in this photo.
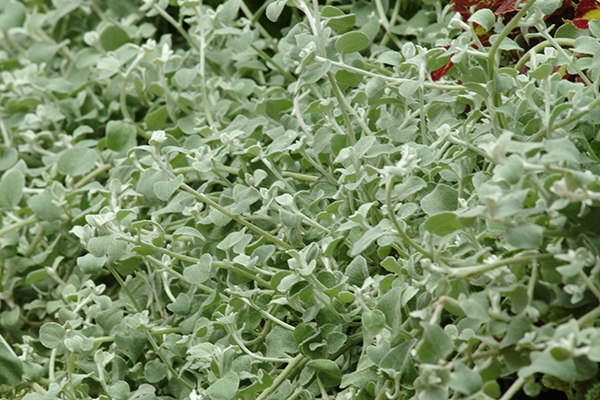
(11, 189)
(442, 224)
(51, 335)
(351, 42)
(76, 161)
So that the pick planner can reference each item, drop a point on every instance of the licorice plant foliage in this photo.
(238, 200)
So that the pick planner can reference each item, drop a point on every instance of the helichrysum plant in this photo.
(295, 199)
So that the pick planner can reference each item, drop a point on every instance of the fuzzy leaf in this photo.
(11, 189)
(76, 161)
(351, 42)
(165, 189)
(224, 388)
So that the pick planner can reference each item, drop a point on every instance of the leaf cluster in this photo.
(193, 208)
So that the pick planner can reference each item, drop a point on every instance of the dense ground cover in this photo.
(299, 200)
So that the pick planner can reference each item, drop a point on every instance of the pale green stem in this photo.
(217, 166)
(315, 24)
(422, 119)
(408, 119)
(153, 332)
(296, 393)
(566, 121)
(164, 359)
(208, 201)
(52, 364)
(223, 180)
(149, 336)
(205, 103)
(532, 281)
(267, 58)
(392, 215)
(590, 285)
(536, 49)
(319, 167)
(254, 355)
(300, 177)
(36, 241)
(386, 24)
(123, 94)
(468, 145)
(396, 81)
(322, 389)
(343, 108)
(193, 260)
(235, 337)
(499, 121)
(205, 199)
(268, 315)
(70, 369)
(548, 101)
(63, 48)
(342, 100)
(590, 317)
(125, 288)
(5, 134)
(383, 391)
(513, 389)
(92, 175)
(466, 272)
(18, 225)
(570, 59)
(298, 361)
(492, 59)
(35, 386)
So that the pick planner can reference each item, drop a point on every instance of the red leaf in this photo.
(439, 73)
(507, 6)
(462, 10)
(465, 3)
(491, 4)
(585, 11)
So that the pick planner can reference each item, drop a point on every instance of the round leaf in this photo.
(155, 371)
(442, 224)
(224, 388)
(182, 304)
(443, 198)
(11, 189)
(90, 264)
(78, 343)
(76, 161)
(13, 14)
(51, 335)
(274, 10)
(165, 189)
(198, 273)
(119, 390)
(120, 136)
(184, 77)
(327, 371)
(315, 71)
(132, 344)
(9, 158)
(484, 17)
(373, 321)
(42, 205)
(526, 236)
(113, 37)
(351, 42)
